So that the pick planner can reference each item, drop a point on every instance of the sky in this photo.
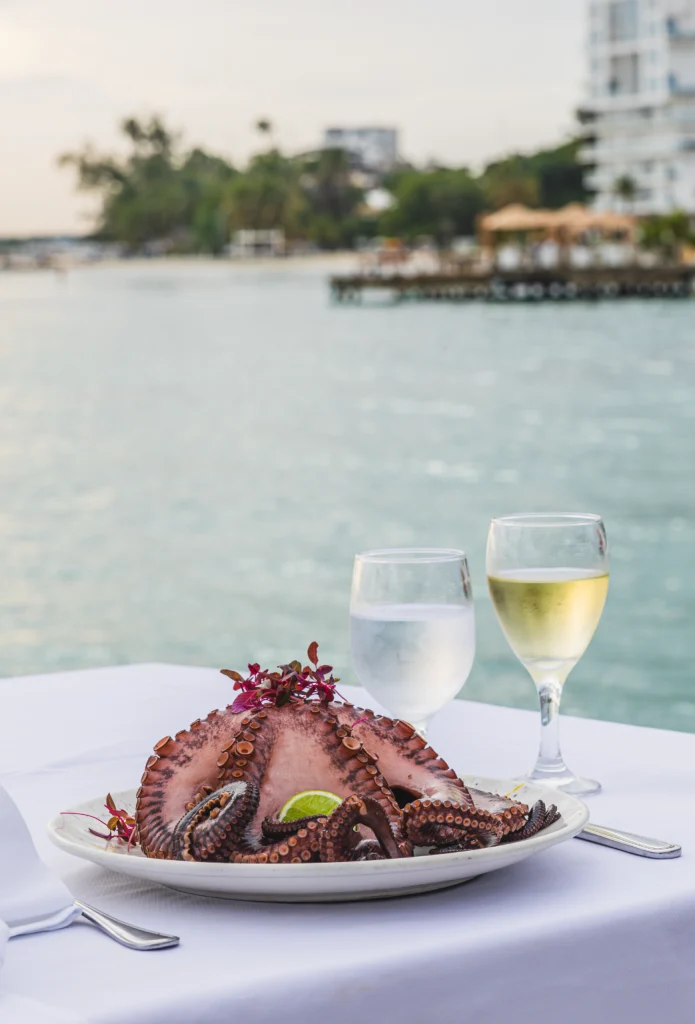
(463, 80)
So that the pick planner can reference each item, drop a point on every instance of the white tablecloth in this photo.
(577, 933)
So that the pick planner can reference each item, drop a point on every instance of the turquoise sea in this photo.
(190, 455)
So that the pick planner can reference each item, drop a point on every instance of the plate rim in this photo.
(103, 856)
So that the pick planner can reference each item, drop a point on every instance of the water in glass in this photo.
(412, 629)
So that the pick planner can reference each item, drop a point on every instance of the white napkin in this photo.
(32, 898)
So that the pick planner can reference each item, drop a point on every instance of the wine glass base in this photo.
(567, 782)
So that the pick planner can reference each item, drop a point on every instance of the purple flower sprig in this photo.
(120, 825)
(288, 684)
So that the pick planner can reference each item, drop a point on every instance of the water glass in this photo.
(412, 629)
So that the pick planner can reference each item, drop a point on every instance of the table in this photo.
(578, 932)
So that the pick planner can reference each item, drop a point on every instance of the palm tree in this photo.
(267, 195)
(625, 188)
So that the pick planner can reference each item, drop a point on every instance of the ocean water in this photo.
(190, 455)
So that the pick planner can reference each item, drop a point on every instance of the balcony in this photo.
(585, 115)
(616, 149)
(682, 117)
(616, 103)
(681, 89)
(677, 33)
(587, 154)
(599, 181)
(630, 123)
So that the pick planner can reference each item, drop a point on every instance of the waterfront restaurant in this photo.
(571, 224)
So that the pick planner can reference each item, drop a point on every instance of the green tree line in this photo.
(194, 200)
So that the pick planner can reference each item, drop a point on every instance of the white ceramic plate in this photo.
(311, 883)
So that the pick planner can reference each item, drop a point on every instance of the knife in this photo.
(628, 842)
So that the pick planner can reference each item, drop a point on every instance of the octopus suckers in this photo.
(202, 799)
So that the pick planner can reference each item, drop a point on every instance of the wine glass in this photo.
(548, 579)
(412, 629)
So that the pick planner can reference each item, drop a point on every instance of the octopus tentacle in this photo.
(338, 834)
(213, 829)
(512, 819)
(514, 825)
(177, 776)
(295, 849)
(540, 817)
(404, 757)
(465, 844)
(441, 823)
(497, 804)
(273, 828)
(368, 849)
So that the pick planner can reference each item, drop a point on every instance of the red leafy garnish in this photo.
(246, 701)
(287, 684)
(121, 825)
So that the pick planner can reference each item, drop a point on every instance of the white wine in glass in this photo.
(548, 579)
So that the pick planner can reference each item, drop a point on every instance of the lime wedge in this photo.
(308, 803)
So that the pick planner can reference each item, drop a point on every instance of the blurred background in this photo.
(196, 435)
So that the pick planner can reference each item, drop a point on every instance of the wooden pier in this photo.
(522, 285)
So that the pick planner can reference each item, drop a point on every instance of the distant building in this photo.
(262, 242)
(374, 149)
(377, 200)
(640, 108)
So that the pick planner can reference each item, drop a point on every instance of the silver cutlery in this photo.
(127, 934)
(628, 842)
(34, 899)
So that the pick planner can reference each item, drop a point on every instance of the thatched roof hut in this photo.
(564, 225)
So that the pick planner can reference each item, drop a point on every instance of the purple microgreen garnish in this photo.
(120, 825)
(288, 684)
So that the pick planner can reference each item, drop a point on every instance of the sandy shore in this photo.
(333, 262)
(328, 262)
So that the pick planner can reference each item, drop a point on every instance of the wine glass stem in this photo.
(549, 757)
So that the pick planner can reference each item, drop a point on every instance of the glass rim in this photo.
(521, 519)
(411, 556)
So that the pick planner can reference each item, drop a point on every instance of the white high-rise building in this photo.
(376, 149)
(640, 109)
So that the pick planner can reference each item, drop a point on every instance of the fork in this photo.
(127, 934)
